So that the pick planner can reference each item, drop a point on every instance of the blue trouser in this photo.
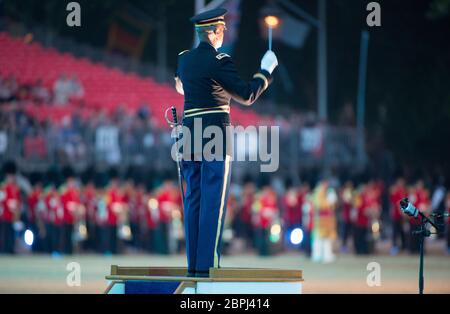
(205, 204)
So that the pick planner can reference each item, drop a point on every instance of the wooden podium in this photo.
(172, 280)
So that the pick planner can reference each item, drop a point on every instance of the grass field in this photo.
(44, 274)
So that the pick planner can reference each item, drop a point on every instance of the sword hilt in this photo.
(174, 122)
(174, 115)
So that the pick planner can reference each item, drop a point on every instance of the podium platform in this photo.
(172, 280)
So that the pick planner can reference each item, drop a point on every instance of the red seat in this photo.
(104, 87)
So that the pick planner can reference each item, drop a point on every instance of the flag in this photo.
(128, 33)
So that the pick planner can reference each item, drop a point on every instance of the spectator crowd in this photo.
(64, 89)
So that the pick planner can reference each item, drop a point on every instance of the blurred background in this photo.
(364, 117)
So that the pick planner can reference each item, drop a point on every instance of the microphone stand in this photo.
(422, 232)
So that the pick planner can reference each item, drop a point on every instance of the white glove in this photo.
(269, 62)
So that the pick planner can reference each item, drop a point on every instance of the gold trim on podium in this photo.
(147, 271)
(124, 273)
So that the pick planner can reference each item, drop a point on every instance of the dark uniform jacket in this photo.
(210, 80)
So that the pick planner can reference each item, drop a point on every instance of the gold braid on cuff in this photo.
(261, 76)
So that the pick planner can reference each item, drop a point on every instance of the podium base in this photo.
(172, 280)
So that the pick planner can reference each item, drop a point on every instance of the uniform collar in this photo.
(205, 45)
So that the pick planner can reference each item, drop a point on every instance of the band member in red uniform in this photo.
(10, 204)
(245, 228)
(101, 220)
(265, 211)
(129, 198)
(152, 220)
(167, 198)
(422, 197)
(89, 201)
(361, 221)
(116, 209)
(137, 214)
(397, 193)
(292, 212)
(53, 217)
(373, 212)
(35, 215)
(70, 199)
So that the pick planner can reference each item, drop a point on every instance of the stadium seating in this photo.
(105, 88)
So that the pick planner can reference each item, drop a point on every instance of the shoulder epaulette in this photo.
(222, 55)
(183, 52)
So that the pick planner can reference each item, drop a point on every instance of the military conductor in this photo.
(208, 80)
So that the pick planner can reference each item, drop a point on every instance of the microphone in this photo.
(410, 210)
